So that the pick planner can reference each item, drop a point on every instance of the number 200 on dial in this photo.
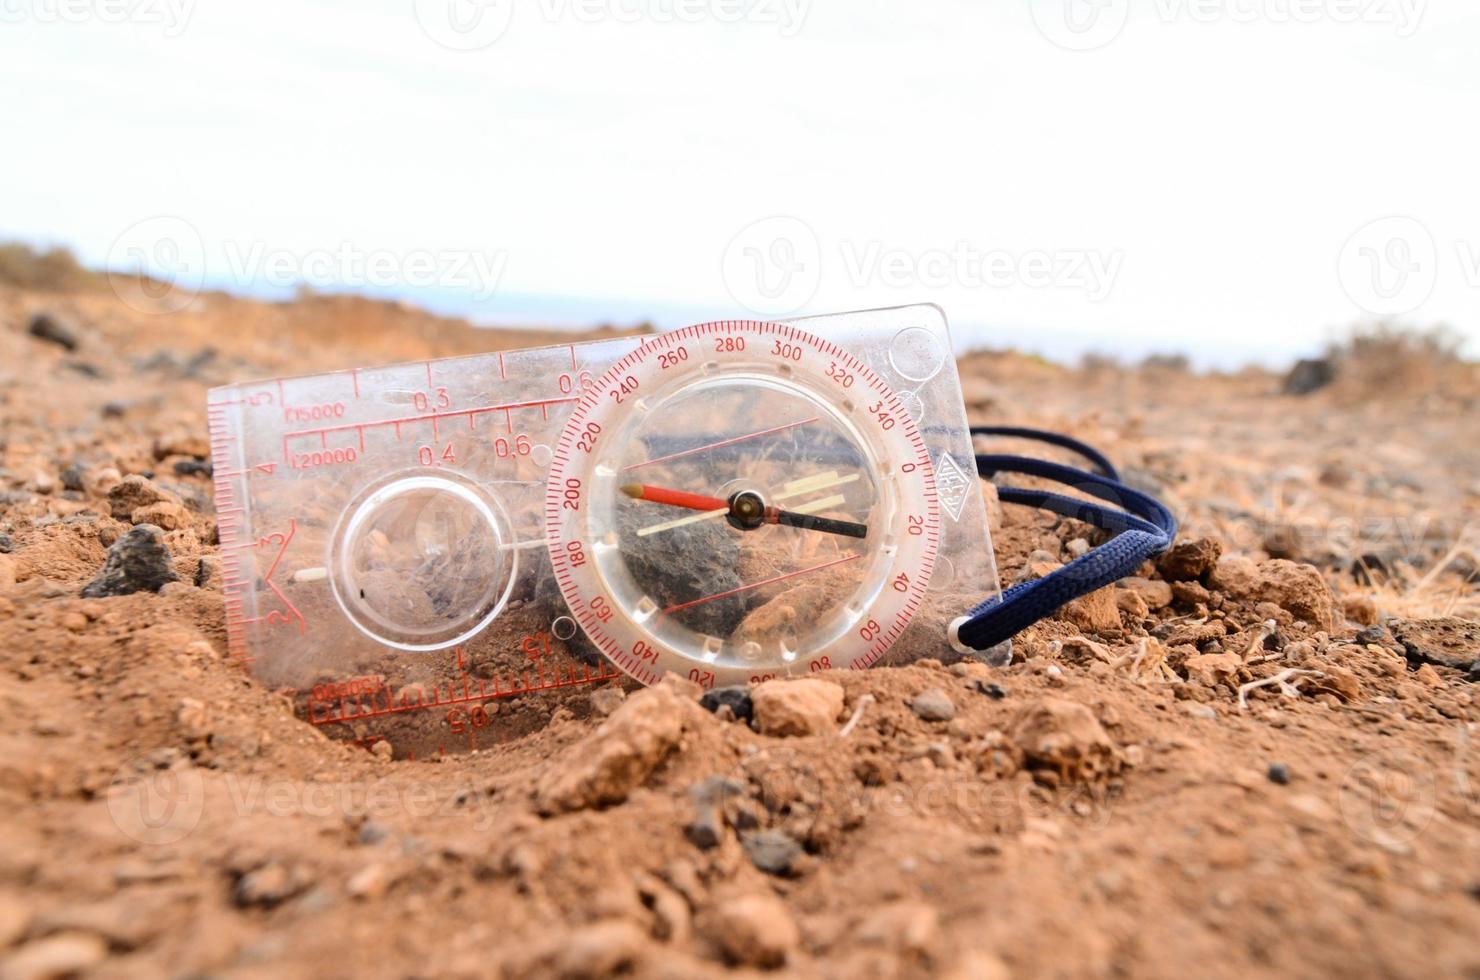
(738, 501)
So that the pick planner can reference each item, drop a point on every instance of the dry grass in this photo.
(51, 270)
(1381, 359)
(1443, 590)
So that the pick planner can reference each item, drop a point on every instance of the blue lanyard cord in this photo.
(1142, 526)
(1102, 465)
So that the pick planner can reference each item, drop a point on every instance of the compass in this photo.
(738, 501)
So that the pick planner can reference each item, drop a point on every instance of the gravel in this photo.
(773, 851)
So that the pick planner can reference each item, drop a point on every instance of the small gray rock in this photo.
(85, 368)
(932, 704)
(773, 851)
(736, 698)
(208, 571)
(707, 828)
(992, 690)
(54, 329)
(137, 562)
(1279, 773)
(71, 478)
(372, 833)
(1309, 375)
(1447, 642)
(6, 544)
(1375, 634)
(269, 885)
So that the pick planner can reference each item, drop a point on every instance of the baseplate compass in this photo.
(440, 555)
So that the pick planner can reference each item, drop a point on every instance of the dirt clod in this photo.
(1339, 681)
(369, 882)
(978, 965)
(1065, 738)
(605, 700)
(608, 948)
(134, 493)
(66, 954)
(1096, 612)
(15, 916)
(1298, 589)
(620, 755)
(1236, 575)
(908, 929)
(1188, 560)
(755, 930)
(806, 706)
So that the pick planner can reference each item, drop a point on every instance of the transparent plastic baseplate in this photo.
(441, 555)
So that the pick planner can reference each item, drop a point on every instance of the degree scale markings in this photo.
(890, 435)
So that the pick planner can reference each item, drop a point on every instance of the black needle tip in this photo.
(807, 522)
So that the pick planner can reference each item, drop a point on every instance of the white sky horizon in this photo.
(1238, 181)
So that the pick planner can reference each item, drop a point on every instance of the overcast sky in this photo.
(1239, 180)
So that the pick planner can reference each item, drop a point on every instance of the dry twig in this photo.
(1286, 680)
(863, 703)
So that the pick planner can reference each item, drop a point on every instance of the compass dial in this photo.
(737, 501)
